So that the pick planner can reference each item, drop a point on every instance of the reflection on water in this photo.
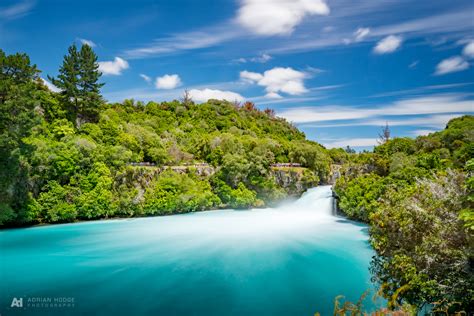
(290, 260)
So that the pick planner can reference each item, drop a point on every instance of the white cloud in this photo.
(278, 79)
(433, 104)
(421, 90)
(352, 142)
(432, 121)
(468, 50)
(17, 10)
(250, 76)
(206, 94)
(452, 64)
(168, 82)
(329, 28)
(273, 95)
(413, 64)
(184, 41)
(145, 77)
(87, 42)
(358, 35)
(278, 17)
(361, 33)
(114, 67)
(388, 44)
(50, 86)
(423, 132)
(456, 21)
(263, 58)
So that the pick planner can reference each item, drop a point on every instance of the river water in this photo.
(290, 260)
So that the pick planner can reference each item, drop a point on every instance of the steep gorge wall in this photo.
(295, 180)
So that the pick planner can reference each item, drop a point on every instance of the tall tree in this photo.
(384, 135)
(186, 99)
(68, 80)
(78, 80)
(89, 86)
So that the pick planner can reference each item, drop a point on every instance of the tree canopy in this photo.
(417, 196)
(70, 155)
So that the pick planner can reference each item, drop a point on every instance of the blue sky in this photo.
(338, 69)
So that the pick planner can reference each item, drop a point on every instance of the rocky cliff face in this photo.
(295, 180)
(144, 174)
(349, 171)
(335, 173)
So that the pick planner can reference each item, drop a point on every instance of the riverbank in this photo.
(224, 207)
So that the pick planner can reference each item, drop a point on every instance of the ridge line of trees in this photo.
(66, 155)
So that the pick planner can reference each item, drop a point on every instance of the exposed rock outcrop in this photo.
(295, 180)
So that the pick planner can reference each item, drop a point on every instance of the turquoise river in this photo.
(290, 260)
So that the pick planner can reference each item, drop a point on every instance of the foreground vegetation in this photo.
(417, 195)
(71, 156)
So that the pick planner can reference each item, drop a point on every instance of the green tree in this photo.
(78, 80)
(89, 86)
(68, 82)
(423, 250)
(358, 198)
(19, 101)
(55, 204)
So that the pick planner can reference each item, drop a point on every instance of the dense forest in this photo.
(70, 155)
(418, 197)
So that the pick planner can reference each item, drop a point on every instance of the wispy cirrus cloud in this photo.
(422, 89)
(352, 142)
(422, 132)
(184, 42)
(145, 77)
(257, 17)
(300, 18)
(455, 23)
(429, 124)
(16, 10)
(433, 124)
(87, 42)
(361, 33)
(433, 121)
(432, 104)
(413, 64)
(263, 58)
